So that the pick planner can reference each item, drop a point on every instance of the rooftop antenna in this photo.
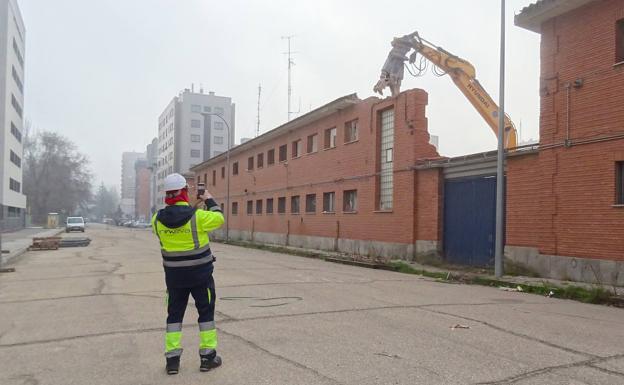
(258, 116)
(291, 63)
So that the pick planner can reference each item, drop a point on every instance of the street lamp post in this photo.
(227, 180)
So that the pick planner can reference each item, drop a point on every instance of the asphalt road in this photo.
(96, 315)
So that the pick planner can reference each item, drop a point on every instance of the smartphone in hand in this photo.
(201, 189)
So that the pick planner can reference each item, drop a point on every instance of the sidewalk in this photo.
(17, 242)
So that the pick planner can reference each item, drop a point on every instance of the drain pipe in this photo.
(567, 142)
(337, 235)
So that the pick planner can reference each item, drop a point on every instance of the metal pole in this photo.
(227, 180)
(500, 159)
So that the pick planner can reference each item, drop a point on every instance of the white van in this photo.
(75, 224)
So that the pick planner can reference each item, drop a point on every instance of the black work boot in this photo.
(173, 365)
(209, 361)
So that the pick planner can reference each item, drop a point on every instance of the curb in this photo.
(21, 250)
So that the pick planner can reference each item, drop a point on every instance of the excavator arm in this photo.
(461, 72)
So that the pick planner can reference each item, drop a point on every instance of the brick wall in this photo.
(576, 214)
(348, 166)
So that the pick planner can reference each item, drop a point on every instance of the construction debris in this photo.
(75, 242)
(515, 289)
(459, 326)
(45, 243)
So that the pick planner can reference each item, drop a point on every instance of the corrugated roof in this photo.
(319, 113)
(534, 15)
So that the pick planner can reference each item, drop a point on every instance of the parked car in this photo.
(75, 224)
(142, 225)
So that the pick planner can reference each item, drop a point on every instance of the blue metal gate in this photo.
(469, 220)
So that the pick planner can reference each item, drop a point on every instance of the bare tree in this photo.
(56, 176)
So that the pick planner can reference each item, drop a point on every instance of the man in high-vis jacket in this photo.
(188, 262)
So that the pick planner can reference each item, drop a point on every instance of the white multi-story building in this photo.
(12, 56)
(128, 181)
(190, 131)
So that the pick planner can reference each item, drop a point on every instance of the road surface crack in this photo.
(533, 373)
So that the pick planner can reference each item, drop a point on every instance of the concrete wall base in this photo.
(369, 248)
(597, 271)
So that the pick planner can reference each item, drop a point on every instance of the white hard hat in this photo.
(174, 182)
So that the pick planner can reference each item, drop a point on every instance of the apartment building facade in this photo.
(194, 127)
(12, 71)
(128, 181)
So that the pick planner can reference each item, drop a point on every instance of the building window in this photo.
(195, 138)
(329, 199)
(16, 132)
(205, 178)
(195, 153)
(351, 131)
(14, 212)
(250, 163)
(260, 160)
(270, 157)
(195, 108)
(234, 208)
(206, 109)
(218, 110)
(620, 182)
(297, 148)
(249, 207)
(386, 166)
(312, 143)
(330, 138)
(20, 58)
(223, 172)
(235, 168)
(269, 206)
(619, 41)
(349, 201)
(218, 125)
(214, 177)
(259, 207)
(294, 204)
(16, 105)
(282, 153)
(18, 81)
(14, 185)
(195, 123)
(310, 203)
(281, 205)
(218, 140)
(15, 159)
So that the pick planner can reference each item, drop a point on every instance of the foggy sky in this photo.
(100, 72)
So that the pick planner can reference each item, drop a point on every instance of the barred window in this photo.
(330, 138)
(259, 206)
(260, 160)
(281, 205)
(269, 206)
(619, 180)
(249, 207)
(282, 153)
(16, 160)
(270, 157)
(351, 131)
(349, 201)
(294, 204)
(329, 199)
(234, 208)
(312, 143)
(310, 203)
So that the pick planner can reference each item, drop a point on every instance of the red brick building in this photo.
(360, 176)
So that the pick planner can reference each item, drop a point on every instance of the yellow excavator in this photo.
(461, 72)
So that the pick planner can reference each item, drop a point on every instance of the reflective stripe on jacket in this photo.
(188, 243)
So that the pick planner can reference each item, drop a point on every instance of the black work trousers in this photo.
(204, 296)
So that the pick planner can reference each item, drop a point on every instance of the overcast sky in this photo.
(100, 72)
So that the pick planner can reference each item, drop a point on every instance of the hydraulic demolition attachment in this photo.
(461, 72)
